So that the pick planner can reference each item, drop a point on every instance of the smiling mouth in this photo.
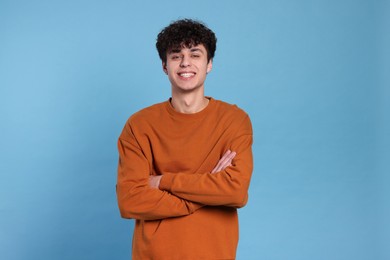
(187, 74)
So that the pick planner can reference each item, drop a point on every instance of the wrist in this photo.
(154, 181)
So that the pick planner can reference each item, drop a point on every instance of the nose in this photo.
(185, 61)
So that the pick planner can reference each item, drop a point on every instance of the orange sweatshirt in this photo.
(194, 213)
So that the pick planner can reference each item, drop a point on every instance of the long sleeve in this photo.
(228, 187)
(135, 198)
(193, 208)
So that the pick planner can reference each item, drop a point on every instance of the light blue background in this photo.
(313, 75)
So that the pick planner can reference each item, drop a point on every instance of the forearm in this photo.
(228, 187)
(136, 199)
(222, 188)
(149, 204)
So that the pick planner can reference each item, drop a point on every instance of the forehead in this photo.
(184, 48)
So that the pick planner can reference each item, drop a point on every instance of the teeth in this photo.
(186, 75)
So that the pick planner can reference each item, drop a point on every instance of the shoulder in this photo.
(148, 114)
(226, 108)
(143, 121)
(233, 115)
(140, 122)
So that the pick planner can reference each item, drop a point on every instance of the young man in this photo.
(185, 164)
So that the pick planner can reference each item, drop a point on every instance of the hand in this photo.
(154, 181)
(225, 161)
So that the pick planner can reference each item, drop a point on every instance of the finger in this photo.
(225, 161)
(219, 164)
(217, 167)
(228, 161)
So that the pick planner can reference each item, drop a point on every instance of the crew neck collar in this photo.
(196, 115)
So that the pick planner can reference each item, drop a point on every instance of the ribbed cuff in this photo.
(166, 182)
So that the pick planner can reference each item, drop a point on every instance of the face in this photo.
(187, 68)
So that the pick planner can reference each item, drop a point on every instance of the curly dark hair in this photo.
(188, 33)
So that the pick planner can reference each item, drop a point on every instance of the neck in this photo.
(189, 103)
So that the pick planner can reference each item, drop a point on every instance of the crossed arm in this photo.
(225, 161)
(140, 198)
(143, 195)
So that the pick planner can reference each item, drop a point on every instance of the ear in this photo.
(164, 67)
(209, 65)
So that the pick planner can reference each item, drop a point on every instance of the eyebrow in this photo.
(191, 50)
(196, 49)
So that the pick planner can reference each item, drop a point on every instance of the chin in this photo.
(188, 88)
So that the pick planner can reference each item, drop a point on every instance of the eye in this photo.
(175, 57)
